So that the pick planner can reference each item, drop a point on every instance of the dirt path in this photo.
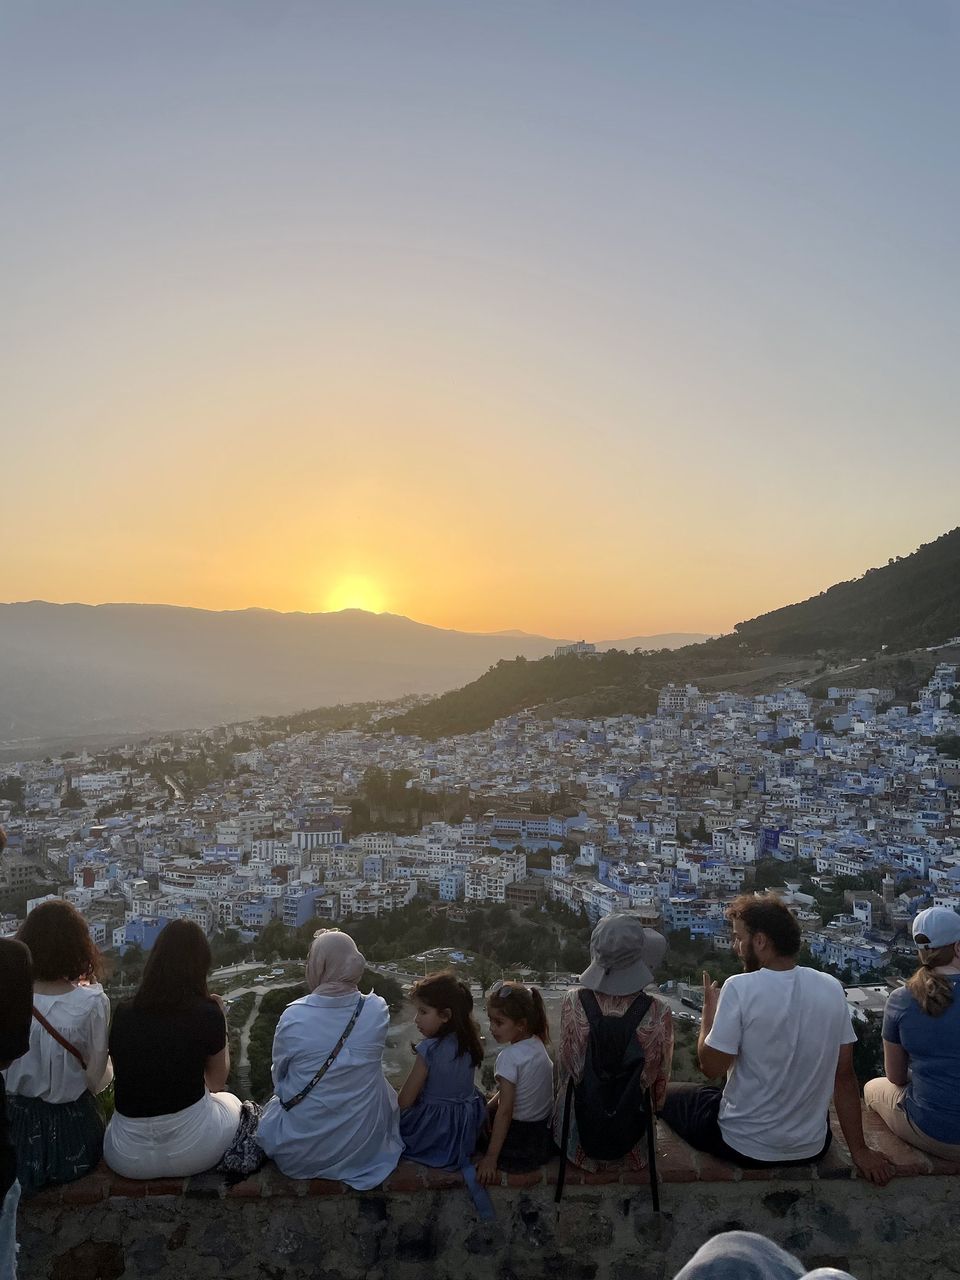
(243, 1066)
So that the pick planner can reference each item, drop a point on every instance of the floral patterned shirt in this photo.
(655, 1035)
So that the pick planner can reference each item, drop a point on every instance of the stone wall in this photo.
(272, 1228)
(603, 1233)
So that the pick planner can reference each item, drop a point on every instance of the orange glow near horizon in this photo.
(485, 513)
(579, 596)
(354, 592)
(414, 337)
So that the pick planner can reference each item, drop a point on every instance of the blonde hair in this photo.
(933, 992)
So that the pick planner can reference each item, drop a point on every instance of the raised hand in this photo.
(711, 994)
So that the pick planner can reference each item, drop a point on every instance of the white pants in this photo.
(174, 1146)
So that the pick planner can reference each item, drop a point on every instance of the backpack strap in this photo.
(636, 1013)
(564, 1141)
(62, 1041)
(652, 1150)
(591, 1007)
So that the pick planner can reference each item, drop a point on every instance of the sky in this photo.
(591, 319)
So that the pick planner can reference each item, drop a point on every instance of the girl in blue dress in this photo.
(441, 1109)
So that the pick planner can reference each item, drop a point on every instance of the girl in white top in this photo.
(56, 1126)
(520, 1111)
(345, 1126)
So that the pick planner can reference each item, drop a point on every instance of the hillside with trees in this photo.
(611, 683)
(911, 602)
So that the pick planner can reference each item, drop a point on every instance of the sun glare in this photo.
(355, 593)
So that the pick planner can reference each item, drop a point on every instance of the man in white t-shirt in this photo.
(782, 1035)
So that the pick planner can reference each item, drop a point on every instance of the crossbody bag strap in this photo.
(331, 1057)
(61, 1040)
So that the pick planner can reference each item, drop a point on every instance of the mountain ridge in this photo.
(151, 668)
(910, 602)
(665, 639)
(69, 670)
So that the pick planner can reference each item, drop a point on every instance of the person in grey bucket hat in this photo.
(623, 955)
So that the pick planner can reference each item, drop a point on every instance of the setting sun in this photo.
(355, 593)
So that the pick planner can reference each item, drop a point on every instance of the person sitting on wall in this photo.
(520, 1138)
(623, 957)
(54, 1118)
(442, 1112)
(333, 1114)
(782, 1035)
(918, 1098)
(173, 1117)
(16, 1017)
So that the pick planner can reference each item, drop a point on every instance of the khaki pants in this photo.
(886, 1099)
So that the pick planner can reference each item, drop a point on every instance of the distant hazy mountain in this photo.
(72, 670)
(668, 640)
(515, 633)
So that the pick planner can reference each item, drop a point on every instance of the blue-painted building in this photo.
(258, 913)
(452, 885)
(141, 931)
(299, 907)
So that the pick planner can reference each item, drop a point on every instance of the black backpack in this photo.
(613, 1105)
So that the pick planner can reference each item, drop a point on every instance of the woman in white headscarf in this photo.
(333, 1114)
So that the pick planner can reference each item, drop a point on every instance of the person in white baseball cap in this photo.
(918, 1096)
(936, 927)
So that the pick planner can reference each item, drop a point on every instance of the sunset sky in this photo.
(592, 319)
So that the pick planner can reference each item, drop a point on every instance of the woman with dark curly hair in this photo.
(56, 1126)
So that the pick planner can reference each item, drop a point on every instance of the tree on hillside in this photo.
(72, 799)
(771, 871)
(388, 988)
(575, 955)
(485, 972)
(868, 1051)
(11, 792)
(227, 947)
(128, 968)
(275, 940)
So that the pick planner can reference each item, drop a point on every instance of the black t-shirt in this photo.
(16, 1013)
(159, 1055)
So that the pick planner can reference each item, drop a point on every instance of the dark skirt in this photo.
(528, 1145)
(55, 1141)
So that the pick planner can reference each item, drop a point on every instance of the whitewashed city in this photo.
(479, 640)
(842, 804)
